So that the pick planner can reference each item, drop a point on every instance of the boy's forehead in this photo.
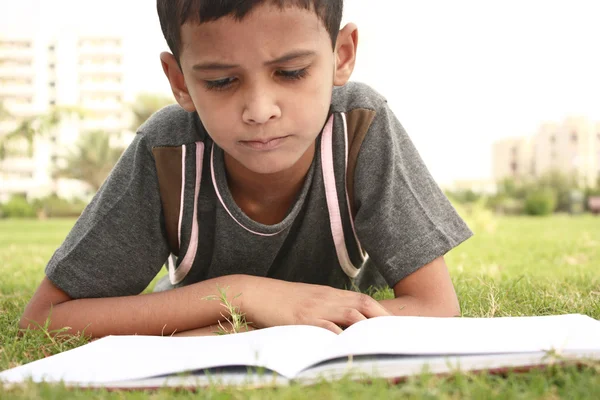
(266, 29)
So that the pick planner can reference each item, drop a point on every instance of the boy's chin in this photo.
(269, 167)
(287, 160)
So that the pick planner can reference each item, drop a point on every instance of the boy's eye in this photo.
(226, 83)
(219, 84)
(293, 75)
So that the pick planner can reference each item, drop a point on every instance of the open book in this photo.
(387, 347)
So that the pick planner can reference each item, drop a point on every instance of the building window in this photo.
(553, 139)
(574, 137)
(514, 167)
(51, 66)
(52, 84)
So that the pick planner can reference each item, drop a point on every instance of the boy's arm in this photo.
(266, 302)
(161, 313)
(403, 220)
(426, 292)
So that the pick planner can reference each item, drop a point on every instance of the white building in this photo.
(571, 147)
(22, 95)
(38, 74)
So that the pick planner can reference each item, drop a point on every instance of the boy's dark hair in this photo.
(174, 13)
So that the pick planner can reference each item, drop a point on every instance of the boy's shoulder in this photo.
(172, 126)
(354, 95)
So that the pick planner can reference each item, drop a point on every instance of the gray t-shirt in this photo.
(402, 218)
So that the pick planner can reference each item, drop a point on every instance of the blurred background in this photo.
(502, 99)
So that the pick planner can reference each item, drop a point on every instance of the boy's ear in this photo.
(177, 81)
(345, 54)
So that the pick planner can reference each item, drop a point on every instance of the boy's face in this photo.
(261, 86)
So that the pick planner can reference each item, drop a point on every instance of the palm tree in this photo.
(91, 160)
(147, 104)
(25, 130)
(4, 138)
(3, 112)
(30, 127)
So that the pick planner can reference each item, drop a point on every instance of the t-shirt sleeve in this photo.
(118, 244)
(403, 219)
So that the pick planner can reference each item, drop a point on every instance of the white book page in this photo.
(290, 349)
(284, 349)
(430, 336)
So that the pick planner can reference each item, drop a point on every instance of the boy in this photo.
(257, 202)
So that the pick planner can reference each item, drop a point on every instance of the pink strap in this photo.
(212, 172)
(183, 158)
(332, 200)
(363, 253)
(177, 275)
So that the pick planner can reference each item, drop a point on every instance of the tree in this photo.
(3, 112)
(91, 160)
(562, 185)
(4, 115)
(147, 104)
(30, 127)
(24, 131)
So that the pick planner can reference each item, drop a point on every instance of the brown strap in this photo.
(168, 169)
(358, 120)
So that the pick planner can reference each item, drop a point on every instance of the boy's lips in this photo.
(264, 144)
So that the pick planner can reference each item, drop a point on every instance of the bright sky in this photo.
(459, 74)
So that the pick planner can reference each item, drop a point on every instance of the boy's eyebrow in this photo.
(286, 57)
(291, 56)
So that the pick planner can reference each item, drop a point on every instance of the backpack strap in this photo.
(355, 129)
(175, 180)
(179, 171)
(168, 162)
(358, 122)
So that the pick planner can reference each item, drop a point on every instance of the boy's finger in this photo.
(349, 316)
(330, 326)
(370, 307)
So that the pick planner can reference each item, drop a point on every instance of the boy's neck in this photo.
(267, 198)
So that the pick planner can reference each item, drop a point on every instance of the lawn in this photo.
(513, 266)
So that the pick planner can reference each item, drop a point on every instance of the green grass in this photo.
(513, 266)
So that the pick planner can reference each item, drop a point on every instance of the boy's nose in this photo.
(261, 107)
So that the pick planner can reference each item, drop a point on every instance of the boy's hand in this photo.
(270, 302)
(211, 330)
